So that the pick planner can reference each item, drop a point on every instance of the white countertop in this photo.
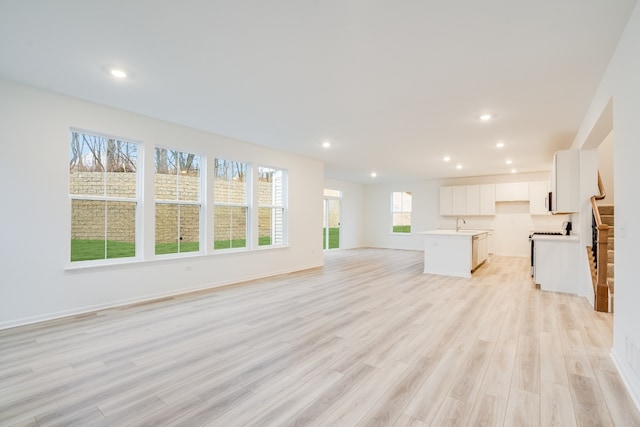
(453, 233)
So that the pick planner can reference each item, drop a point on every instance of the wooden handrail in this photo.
(594, 206)
(600, 287)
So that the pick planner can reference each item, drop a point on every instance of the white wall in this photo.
(605, 166)
(511, 224)
(621, 83)
(424, 216)
(35, 211)
(352, 215)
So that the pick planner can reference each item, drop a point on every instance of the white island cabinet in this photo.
(454, 253)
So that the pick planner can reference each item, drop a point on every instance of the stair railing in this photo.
(599, 248)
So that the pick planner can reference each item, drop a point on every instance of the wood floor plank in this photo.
(355, 405)
(526, 373)
(523, 409)
(427, 400)
(368, 339)
(497, 380)
(471, 374)
(406, 421)
(590, 408)
(488, 411)
(619, 403)
(556, 407)
(452, 412)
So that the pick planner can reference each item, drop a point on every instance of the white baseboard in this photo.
(627, 375)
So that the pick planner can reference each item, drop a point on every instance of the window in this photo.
(230, 204)
(332, 193)
(177, 201)
(271, 206)
(103, 180)
(401, 211)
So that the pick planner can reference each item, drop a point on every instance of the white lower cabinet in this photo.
(556, 261)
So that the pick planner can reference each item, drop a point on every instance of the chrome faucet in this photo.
(458, 222)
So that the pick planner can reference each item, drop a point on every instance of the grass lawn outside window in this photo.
(84, 250)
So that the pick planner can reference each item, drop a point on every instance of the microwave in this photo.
(548, 201)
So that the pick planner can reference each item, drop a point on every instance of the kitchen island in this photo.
(454, 253)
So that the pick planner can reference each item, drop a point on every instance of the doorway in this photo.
(331, 228)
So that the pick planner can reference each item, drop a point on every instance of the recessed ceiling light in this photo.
(326, 144)
(509, 161)
(118, 73)
(500, 144)
(485, 117)
(447, 158)
(373, 174)
(513, 171)
(458, 166)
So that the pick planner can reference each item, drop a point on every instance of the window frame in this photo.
(178, 202)
(273, 207)
(137, 200)
(248, 183)
(402, 211)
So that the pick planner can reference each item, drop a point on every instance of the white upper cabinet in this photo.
(473, 199)
(565, 182)
(459, 200)
(446, 200)
(538, 194)
(512, 192)
(462, 200)
(487, 199)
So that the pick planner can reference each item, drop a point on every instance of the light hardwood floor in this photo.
(366, 340)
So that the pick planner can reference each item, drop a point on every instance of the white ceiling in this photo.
(394, 85)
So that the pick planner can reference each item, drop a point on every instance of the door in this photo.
(331, 229)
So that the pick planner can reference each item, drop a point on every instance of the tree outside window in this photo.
(230, 204)
(103, 179)
(177, 201)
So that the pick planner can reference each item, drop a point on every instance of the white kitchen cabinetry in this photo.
(565, 182)
(538, 194)
(487, 199)
(459, 194)
(512, 192)
(446, 200)
(472, 199)
(556, 261)
(452, 253)
(462, 200)
(490, 245)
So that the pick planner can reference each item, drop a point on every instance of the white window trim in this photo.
(248, 205)
(284, 206)
(139, 212)
(200, 202)
(397, 233)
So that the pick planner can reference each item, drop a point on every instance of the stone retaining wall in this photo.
(88, 217)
